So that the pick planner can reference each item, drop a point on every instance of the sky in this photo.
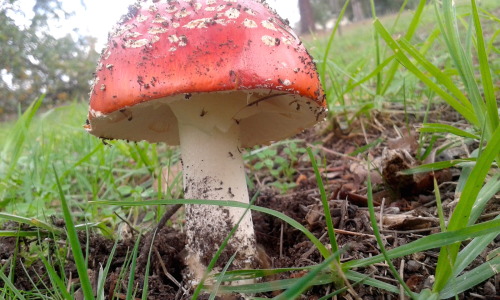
(101, 15)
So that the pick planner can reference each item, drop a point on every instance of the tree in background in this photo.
(306, 17)
(357, 10)
(34, 62)
(322, 11)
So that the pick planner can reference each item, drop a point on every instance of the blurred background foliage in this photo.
(34, 60)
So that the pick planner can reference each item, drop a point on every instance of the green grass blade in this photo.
(321, 248)
(81, 265)
(219, 280)
(56, 280)
(355, 276)
(6, 281)
(305, 282)
(102, 281)
(378, 54)
(222, 246)
(436, 166)
(145, 287)
(372, 74)
(440, 76)
(465, 111)
(417, 14)
(378, 237)
(489, 190)
(330, 41)
(366, 147)
(472, 278)
(484, 67)
(13, 147)
(238, 275)
(444, 128)
(133, 265)
(326, 207)
(461, 215)
(471, 252)
(344, 289)
(284, 284)
(16, 233)
(439, 205)
(30, 221)
(462, 62)
(430, 242)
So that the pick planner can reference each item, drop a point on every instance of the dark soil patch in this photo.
(407, 205)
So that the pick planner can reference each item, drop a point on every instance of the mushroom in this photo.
(214, 76)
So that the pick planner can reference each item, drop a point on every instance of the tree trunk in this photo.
(357, 10)
(336, 6)
(306, 17)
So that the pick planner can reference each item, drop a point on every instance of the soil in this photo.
(406, 204)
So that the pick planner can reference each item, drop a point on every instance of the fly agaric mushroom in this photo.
(214, 76)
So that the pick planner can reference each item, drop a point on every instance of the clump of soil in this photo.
(406, 208)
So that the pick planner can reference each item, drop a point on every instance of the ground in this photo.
(406, 205)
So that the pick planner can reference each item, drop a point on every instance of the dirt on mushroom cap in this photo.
(165, 48)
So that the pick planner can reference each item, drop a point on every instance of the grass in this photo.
(442, 53)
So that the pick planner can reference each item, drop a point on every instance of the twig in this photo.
(340, 231)
(127, 222)
(281, 241)
(149, 240)
(401, 273)
(165, 271)
(364, 131)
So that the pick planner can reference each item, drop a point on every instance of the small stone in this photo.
(413, 266)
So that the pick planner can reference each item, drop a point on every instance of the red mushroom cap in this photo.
(178, 48)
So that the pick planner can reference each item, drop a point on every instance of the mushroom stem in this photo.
(213, 169)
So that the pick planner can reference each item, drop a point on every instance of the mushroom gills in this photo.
(261, 121)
